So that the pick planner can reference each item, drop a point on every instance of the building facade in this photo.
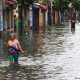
(8, 14)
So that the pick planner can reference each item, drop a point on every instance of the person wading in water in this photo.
(73, 19)
(14, 48)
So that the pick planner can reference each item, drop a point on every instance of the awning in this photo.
(36, 6)
(9, 3)
(43, 7)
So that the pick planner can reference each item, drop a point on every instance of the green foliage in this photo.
(29, 1)
(23, 1)
(76, 4)
(19, 1)
(63, 4)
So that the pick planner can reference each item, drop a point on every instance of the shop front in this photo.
(8, 15)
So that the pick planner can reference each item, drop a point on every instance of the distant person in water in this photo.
(73, 19)
(14, 48)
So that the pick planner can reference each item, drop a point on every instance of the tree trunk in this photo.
(53, 17)
(57, 18)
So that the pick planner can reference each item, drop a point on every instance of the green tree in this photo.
(62, 5)
(76, 4)
(28, 1)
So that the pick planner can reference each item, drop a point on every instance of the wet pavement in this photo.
(52, 54)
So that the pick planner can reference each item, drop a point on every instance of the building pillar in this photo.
(16, 17)
(12, 17)
(1, 15)
(40, 18)
(9, 14)
(37, 20)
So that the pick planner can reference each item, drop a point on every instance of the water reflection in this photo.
(73, 30)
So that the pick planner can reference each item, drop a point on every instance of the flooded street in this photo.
(53, 54)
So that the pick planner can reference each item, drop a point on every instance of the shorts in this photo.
(14, 58)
